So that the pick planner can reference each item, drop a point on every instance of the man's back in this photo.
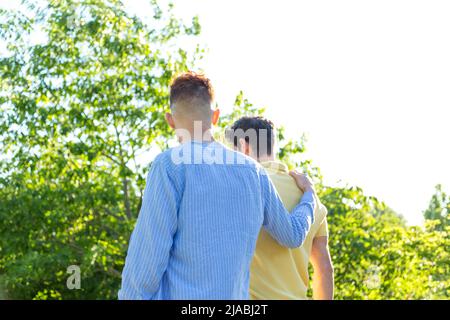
(278, 272)
(220, 211)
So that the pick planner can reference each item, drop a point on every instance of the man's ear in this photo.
(244, 147)
(170, 121)
(215, 117)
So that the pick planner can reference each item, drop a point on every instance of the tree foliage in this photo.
(78, 108)
(439, 208)
(376, 256)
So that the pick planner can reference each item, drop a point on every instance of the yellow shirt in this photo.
(279, 273)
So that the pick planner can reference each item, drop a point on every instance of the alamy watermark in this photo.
(191, 153)
(74, 280)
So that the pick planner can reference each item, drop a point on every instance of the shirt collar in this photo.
(276, 166)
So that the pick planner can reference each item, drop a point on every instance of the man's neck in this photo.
(196, 136)
(265, 158)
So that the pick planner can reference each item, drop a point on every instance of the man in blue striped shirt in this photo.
(202, 210)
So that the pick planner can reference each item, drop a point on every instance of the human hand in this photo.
(303, 181)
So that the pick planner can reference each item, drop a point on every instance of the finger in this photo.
(293, 174)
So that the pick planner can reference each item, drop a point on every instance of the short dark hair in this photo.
(191, 85)
(258, 124)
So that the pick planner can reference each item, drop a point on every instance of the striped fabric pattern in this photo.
(198, 225)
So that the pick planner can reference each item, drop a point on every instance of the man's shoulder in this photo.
(239, 158)
(214, 153)
(164, 161)
(287, 187)
(163, 158)
(284, 181)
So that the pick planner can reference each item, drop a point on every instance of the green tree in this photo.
(376, 256)
(78, 108)
(439, 208)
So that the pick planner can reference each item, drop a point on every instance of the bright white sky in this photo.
(367, 81)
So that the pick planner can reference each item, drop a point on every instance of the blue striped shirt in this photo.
(202, 210)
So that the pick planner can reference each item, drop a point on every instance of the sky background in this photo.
(368, 82)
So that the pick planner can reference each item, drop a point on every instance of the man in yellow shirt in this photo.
(277, 272)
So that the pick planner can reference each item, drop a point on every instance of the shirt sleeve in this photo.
(323, 229)
(152, 238)
(289, 230)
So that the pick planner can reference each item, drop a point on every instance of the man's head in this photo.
(191, 97)
(253, 136)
